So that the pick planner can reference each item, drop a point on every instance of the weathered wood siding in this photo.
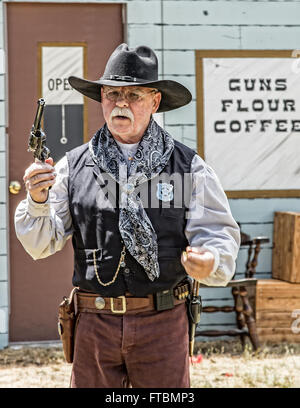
(175, 29)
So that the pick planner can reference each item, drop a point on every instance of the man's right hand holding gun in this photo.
(43, 225)
(38, 178)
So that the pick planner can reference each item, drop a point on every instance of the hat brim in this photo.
(174, 95)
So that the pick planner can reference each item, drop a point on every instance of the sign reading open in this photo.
(64, 110)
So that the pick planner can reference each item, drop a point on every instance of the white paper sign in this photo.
(58, 63)
(252, 122)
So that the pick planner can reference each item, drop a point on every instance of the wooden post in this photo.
(286, 248)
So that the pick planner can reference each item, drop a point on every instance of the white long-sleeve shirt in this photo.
(44, 228)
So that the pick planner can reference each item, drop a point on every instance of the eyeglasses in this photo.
(130, 95)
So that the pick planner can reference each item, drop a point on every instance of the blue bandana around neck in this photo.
(152, 155)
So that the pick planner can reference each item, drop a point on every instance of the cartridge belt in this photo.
(95, 303)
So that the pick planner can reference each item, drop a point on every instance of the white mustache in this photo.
(122, 112)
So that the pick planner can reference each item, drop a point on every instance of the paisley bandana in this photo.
(153, 153)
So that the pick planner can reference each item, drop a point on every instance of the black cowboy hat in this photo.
(135, 67)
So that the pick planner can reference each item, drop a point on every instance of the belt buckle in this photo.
(123, 310)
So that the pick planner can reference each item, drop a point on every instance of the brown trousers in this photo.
(143, 350)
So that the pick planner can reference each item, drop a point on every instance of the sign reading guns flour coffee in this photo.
(64, 109)
(248, 114)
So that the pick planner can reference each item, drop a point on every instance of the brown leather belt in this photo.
(94, 303)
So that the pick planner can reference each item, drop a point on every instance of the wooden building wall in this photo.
(175, 29)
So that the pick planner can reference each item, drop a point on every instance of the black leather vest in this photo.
(97, 241)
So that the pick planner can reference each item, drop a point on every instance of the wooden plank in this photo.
(272, 319)
(149, 35)
(201, 37)
(3, 190)
(214, 293)
(203, 327)
(261, 209)
(3, 320)
(217, 318)
(276, 287)
(187, 81)
(3, 294)
(275, 283)
(277, 296)
(275, 292)
(3, 216)
(253, 37)
(275, 302)
(263, 193)
(184, 115)
(281, 305)
(2, 137)
(192, 144)
(277, 334)
(190, 132)
(179, 62)
(3, 242)
(235, 12)
(176, 132)
(277, 260)
(3, 268)
(296, 249)
(2, 88)
(2, 112)
(143, 12)
(276, 330)
(2, 164)
(220, 327)
(292, 338)
(269, 325)
(286, 252)
(263, 315)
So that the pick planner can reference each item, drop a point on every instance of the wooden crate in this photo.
(275, 302)
(286, 247)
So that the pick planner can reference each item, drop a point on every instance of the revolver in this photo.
(37, 139)
(194, 308)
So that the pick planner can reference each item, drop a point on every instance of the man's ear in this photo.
(156, 102)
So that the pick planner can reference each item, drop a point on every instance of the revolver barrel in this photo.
(38, 117)
(37, 139)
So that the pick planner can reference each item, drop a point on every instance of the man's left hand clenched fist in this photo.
(197, 262)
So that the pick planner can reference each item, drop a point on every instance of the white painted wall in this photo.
(191, 25)
(175, 29)
(4, 278)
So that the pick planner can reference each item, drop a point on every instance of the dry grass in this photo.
(224, 364)
(34, 367)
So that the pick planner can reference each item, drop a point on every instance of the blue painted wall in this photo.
(175, 29)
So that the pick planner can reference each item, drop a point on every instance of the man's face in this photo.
(127, 110)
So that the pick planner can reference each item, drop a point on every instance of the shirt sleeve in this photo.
(44, 228)
(210, 224)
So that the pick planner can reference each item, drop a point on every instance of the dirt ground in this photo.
(215, 365)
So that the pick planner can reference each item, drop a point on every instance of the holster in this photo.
(194, 309)
(66, 325)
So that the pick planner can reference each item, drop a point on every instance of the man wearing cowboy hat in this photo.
(131, 258)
